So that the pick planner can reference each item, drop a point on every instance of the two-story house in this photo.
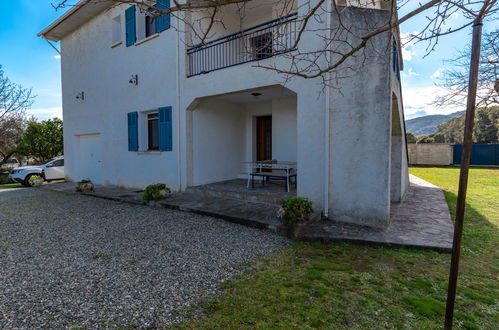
(145, 101)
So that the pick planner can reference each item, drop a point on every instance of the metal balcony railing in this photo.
(253, 44)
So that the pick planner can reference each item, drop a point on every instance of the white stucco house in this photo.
(144, 102)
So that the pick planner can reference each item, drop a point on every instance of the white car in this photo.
(10, 164)
(26, 175)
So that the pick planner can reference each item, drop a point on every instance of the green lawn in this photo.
(10, 185)
(351, 286)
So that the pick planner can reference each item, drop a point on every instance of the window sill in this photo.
(149, 152)
(116, 44)
(140, 42)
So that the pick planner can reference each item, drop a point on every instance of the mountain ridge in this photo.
(428, 124)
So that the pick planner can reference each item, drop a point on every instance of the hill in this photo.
(428, 124)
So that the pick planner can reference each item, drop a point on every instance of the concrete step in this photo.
(251, 195)
(253, 214)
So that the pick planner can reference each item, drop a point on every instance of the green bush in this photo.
(295, 210)
(79, 183)
(153, 192)
(4, 179)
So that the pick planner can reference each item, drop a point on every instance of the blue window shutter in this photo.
(165, 129)
(163, 21)
(133, 131)
(131, 35)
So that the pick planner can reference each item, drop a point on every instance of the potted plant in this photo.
(155, 192)
(84, 186)
(295, 214)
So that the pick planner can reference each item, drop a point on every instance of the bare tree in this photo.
(340, 40)
(14, 101)
(455, 77)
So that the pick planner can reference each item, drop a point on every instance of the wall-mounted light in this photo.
(80, 96)
(256, 95)
(134, 80)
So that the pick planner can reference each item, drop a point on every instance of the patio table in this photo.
(257, 169)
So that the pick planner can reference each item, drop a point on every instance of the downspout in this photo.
(179, 120)
(329, 11)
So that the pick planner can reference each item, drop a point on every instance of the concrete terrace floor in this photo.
(422, 220)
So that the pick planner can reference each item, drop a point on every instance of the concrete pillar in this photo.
(360, 119)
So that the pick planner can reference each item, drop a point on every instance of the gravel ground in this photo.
(69, 260)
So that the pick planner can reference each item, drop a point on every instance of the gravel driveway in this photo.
(77, 260)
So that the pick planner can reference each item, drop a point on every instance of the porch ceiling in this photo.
(251, 96)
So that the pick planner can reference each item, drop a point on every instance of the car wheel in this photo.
(30, 179)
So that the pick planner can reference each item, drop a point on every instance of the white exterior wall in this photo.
(218, 142)
(212, 137)
(360, 173)
(284, 133)
(90, 65)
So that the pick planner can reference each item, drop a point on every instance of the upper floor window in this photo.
(140, 25)
(116, 30)
(395, 58)
(150, 26)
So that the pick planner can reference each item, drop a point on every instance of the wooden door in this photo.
(263, 138)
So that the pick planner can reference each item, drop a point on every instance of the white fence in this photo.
(430, 154)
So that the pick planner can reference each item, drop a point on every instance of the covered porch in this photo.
(271, 192)
(244, 142)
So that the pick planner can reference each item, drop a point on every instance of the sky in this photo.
(29, 60)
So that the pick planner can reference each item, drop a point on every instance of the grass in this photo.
(10, 185)
(342, 285)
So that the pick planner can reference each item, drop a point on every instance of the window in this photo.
(395, 59)
(116, 30)
(150, 26)
(153, 131)
(150, 130)
(58, 163)
(262, 46)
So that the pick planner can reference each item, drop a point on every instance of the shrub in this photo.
(154, 192)
(80, 183)
(295, 210)
(4, 179)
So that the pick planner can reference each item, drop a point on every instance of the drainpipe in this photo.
(329, 11)
(179, 120)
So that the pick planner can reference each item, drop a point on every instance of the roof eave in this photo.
(79, 14)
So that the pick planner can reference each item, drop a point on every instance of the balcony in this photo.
(256, 43)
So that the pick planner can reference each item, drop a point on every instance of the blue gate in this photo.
(481, 154)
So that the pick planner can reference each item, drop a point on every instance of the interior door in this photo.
(263, 138)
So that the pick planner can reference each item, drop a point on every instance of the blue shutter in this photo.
(133, 131)
(131, 35)
(163, 21)
(165, 129)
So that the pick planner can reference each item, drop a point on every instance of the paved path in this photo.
(422, 220)
(67, 259)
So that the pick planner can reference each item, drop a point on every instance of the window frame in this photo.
(116, 30)
(150, 143)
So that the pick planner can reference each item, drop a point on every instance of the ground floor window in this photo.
(153, 131)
